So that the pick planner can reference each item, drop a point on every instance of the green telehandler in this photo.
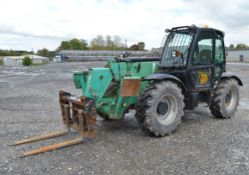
(192, 69)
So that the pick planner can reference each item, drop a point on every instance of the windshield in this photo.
(176, 48)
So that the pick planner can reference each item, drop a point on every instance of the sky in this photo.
(36, 24)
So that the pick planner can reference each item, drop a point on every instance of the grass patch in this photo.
(1, 62)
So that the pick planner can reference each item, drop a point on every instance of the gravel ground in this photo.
(202, 144)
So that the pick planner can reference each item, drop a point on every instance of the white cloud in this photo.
(36, 24)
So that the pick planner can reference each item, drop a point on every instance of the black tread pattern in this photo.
(217, 107)
(145, 104)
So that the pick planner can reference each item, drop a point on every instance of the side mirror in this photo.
(176, 53)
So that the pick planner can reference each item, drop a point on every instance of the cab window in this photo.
(219, 54)
(203, 50)
(219, 57)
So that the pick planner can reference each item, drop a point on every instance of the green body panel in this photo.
(104, 85)
(94, 83)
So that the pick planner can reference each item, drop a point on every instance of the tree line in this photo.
(43, 52)
(238, 46)
(14, 52)
(100, 43)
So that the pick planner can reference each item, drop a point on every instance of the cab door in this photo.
(201, 67)
(219, 60)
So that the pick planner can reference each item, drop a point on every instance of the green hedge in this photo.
(26, 61)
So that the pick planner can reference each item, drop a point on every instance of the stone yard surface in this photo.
(202, 144)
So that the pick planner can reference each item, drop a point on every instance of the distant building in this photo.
(17, 60)
(98, 55)
(238, 55)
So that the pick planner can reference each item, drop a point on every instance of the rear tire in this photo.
(226, 99)
(159, 109)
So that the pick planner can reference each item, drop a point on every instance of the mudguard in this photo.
(230, 75)
(160, 77)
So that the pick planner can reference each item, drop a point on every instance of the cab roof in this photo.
(195, 28)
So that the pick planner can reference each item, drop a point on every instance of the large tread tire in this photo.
(221, 107)
(147, 116)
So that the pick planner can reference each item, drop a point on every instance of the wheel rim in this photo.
(166, 109)
(230, 99)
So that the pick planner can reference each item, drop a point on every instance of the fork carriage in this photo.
(78, 114)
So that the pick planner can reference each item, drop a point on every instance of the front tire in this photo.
(226, 99)
(160, 108)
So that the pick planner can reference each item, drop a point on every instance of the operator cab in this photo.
(195, 55)
(194, 58)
